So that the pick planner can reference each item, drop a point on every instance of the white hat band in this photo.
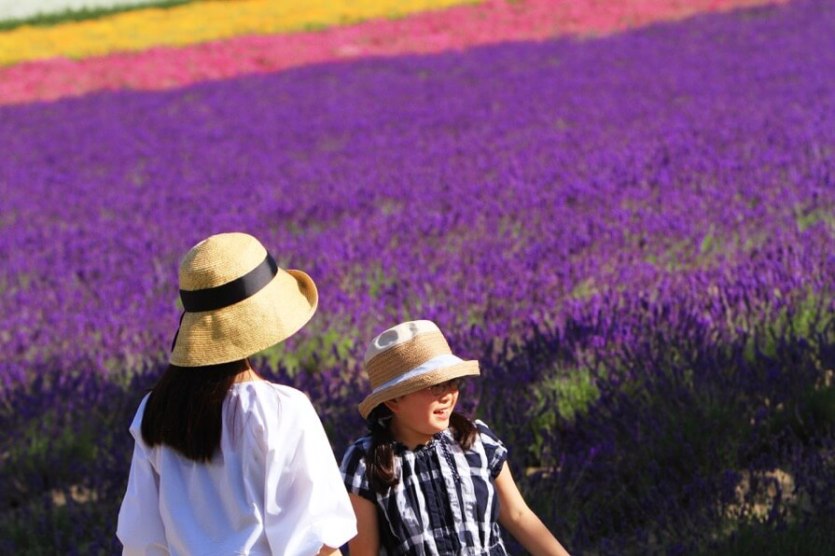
(445, 360)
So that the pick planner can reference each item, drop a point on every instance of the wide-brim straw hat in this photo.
(410, 357)
(237, 301)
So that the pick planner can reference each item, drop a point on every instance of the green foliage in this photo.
(377, 280)
(584, 289)
(757, 537)
(37, 447)
(314, 26)
(557, 398)
(321, 349)
(65, 514)
(800, 318)
(807, 414)
(699, 440)
(82, 14)
(806, 218)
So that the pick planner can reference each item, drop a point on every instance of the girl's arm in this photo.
(367, 541)
(521, 522)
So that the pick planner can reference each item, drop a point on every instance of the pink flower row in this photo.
(454, 28)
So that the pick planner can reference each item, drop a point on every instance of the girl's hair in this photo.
(379, 462)
(184, 410)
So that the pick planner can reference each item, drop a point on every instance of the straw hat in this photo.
(410, 357)
(237, 301)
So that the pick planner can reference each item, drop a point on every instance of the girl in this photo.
(224, 461)
(426, 480)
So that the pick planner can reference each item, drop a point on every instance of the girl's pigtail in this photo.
(463, 430)
(380, 459)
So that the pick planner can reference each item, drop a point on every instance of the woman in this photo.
(224, 461)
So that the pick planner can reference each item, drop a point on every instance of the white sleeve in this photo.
(307, 497)
(140, 527)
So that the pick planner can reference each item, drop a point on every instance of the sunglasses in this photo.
(449, 386)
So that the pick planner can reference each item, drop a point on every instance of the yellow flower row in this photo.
(197, 22)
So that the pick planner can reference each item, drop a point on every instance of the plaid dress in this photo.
(445, 502)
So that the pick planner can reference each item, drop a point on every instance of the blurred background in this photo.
(624, 209)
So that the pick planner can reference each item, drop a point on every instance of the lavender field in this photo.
(634, 234)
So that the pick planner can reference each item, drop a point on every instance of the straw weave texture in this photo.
(213, 263)
(438, 376)
(405, 356)
(237, 331)
(404, 348)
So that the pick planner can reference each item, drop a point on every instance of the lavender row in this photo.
(489, 187)
(691, 439)
(693, 429)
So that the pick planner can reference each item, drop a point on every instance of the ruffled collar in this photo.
(428, 446)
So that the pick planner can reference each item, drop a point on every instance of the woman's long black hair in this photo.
(185, 408)
(379, 462)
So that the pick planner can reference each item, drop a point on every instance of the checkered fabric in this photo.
(445, 502)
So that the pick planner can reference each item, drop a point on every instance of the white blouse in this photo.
(273, 488)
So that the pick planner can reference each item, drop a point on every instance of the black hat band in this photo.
(211, 299)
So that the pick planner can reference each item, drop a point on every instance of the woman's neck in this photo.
(247, 375)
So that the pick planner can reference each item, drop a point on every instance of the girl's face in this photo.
(420, 415)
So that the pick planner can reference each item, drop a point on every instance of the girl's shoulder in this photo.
(485, 433)
(353, 460)
(360, 446)
(494, 449)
